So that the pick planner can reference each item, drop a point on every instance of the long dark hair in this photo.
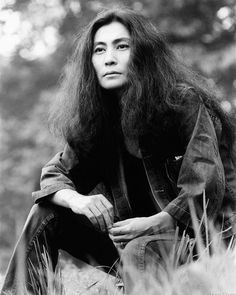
(81, 113)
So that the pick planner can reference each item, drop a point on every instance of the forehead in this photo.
(112, 31)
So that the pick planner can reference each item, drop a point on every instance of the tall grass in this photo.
(44, 279)
(209, 274)
(212, 272)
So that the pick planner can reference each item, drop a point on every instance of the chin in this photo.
(112, 86)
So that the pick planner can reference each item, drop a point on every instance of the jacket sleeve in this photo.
(201, 168)
(227, 216)
(64, 171)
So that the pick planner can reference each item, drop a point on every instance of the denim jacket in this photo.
(196, 164)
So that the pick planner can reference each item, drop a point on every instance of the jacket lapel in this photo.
(119, 191)
(155, 180)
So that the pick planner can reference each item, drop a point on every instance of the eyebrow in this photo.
(114, 41)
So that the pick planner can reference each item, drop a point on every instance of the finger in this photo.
(105, 214)
(98, 215)
(118, 231)
(117, 245)
(108, 206)
(121, 223)
(89, 214)
(122, 239)
(120, 245)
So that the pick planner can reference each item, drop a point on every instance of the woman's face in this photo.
(111, 54)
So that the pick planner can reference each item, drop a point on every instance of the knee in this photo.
(135, 252)
(137, 259)
(38, 215)
(146, 251)
(42, 210)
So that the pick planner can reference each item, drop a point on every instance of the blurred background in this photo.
(36, 38)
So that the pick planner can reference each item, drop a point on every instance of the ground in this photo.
(81, 278)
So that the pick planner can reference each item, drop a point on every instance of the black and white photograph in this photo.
(117, 147)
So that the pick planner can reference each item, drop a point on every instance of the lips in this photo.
(111, 73)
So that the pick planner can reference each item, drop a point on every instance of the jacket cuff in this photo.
(229, 229)
(43, 194)
(178, 213)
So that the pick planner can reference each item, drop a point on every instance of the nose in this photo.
(110, 58)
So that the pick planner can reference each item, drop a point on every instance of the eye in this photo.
(99, 50)
(123, 46)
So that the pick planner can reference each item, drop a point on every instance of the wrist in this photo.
(65, 197)
(162, 220)
(72, 197)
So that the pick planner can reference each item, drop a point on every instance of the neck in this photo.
(114, 94)
(111, 102)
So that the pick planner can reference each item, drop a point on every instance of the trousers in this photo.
(50, 227)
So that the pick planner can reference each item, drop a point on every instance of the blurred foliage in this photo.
(201, 31)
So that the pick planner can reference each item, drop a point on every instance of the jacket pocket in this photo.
(172, 168)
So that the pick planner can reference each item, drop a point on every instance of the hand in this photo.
(96, 207)
(126, 230)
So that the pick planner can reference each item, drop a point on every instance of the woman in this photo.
(144, 136)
